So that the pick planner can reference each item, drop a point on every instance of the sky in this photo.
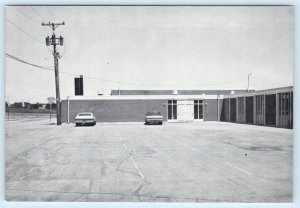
(154, 47)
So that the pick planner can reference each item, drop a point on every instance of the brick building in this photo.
(273, 107)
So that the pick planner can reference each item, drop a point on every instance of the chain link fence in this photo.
(27, 114)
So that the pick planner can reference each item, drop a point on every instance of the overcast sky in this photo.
(149, 48)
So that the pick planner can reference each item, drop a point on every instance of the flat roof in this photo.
(143, 97)
(179, 96)
(262, 92)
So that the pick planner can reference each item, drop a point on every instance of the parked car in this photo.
(154, 117)
(85, 118)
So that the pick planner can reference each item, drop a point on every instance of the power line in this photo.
(26, 15)
(66, 73)
(18, 27)
(38, 13)
(102, 80)
(51, 13)
(25, 62)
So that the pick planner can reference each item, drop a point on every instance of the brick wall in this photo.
(113, 110)
(210, 110)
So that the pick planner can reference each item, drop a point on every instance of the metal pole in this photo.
(248, 82)
(218, 113)
(50, 110)
(22, 109)
(68, 110)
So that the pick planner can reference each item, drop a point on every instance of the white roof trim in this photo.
(144, 97)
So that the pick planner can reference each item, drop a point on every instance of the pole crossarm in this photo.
(53, 25)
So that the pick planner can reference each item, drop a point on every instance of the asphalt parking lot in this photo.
(175, 162)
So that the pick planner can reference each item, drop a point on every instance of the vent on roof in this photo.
(99, 92)
(175, 92)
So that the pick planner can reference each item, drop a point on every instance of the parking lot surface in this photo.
(175, 162)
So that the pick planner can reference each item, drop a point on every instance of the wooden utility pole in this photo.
(55, 41)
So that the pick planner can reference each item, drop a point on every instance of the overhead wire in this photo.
(19, 28)
(26, 15)
(49, 10)
(99, 79)
(43, 17)
(25, 62)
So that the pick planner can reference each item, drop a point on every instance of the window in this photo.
(172, 109)
(198, 109)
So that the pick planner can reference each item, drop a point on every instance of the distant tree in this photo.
(18, 105)
(27, 105)
(35, 106)
(53, 106)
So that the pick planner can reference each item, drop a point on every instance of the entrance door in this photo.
(181, 110)
(185, 110)
(189, 110)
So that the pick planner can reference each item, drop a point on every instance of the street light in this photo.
(248, 81)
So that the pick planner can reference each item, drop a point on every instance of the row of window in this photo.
(269, 109)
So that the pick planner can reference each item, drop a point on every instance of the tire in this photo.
(160, 123)
(95, 123)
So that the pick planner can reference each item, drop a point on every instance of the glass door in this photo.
(198, 109)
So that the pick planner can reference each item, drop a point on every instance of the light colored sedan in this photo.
(85, 118)
(154, 117)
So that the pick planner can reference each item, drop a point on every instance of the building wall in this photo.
(113, 110)
(225, 110)
(210, 110)
(268, 107)
(252, 108)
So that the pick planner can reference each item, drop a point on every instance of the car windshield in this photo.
(84, 114)
(154, 113)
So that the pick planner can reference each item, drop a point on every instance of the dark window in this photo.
(172, 109)
(271, 109)
(198, 109)
(169, 112)
(195, 110)
(175, 111)
(233, 110)
(201, 111)
(249, 109)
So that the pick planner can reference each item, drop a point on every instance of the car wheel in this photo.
(160, 123)
(95, 123)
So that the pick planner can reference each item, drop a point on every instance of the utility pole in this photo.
(55, 41)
